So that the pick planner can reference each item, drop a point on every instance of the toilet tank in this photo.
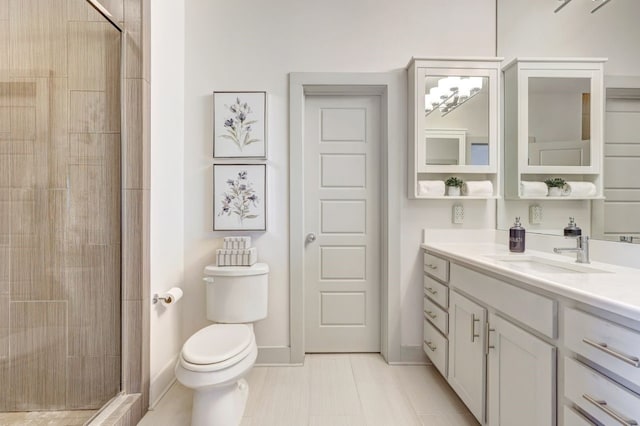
(237, 294)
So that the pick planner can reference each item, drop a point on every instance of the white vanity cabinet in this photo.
(503, 372)
(467, 361)
(521, 376)
(615, 350)
(553, 124)
(436, 311)
(454, 127)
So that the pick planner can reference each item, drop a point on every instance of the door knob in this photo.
(311, 237)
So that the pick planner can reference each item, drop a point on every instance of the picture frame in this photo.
(239, 197)
(240, 125)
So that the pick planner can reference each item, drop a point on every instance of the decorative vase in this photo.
(554, 191)
(453, 191)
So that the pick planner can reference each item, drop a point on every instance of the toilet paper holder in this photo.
(157, 298)
(169, 297)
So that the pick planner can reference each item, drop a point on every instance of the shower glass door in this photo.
(60, 203)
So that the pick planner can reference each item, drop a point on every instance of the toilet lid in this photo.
(216, 343)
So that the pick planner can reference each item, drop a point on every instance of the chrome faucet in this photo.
(581, 250)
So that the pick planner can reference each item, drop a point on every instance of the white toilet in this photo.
(215, 359)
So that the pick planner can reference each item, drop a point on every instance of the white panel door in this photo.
(521, 379)
(622, 167)
(342, 223)
(467, 360)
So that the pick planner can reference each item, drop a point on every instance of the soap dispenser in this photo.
(516, 237)
(572, 230)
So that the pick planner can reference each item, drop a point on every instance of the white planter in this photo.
(453, 191)
(555, 192)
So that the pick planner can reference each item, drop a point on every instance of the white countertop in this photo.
(616, 289)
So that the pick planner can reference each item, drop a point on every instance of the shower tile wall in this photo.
(60, 189)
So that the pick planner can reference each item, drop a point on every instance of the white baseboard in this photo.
(273, 355)
(161, 383)
(412, 355)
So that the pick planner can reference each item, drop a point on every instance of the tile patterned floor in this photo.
(334, 390)
(49, 418)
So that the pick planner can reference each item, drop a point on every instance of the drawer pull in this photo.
(430, 266)
(431, 346)
(431, 315)
(432, 290)
(489, 331)
(602, 404)
(473, 327)
(631, 360)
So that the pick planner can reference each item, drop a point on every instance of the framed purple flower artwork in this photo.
(240, 124)
(239, 197)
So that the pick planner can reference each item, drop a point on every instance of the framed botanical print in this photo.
(239, 197)
(240, 124)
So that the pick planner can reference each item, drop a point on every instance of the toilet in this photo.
(214, 361)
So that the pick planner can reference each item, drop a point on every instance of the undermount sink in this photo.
(526, 263)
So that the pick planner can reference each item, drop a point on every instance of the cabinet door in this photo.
(467, 360)
(521, 377)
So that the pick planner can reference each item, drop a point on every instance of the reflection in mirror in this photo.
(456, 120)
(618, 217)
(559, 121)
(528, 28)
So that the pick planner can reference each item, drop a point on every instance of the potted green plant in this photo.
(453, 186)
(555, 186)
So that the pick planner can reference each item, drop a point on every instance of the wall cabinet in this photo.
(453, 121)
(553, 124)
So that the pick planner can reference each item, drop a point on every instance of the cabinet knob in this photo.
(311, 237)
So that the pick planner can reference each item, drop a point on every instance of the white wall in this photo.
(167, 187)
(530, 28)
(254, 46)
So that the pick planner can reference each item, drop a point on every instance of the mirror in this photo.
(559, 121)
(531, 29)
(456, 120)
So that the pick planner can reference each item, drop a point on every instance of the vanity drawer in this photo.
(436, 291)
(598, 396)
(534, 310)
(610, 345)
(436, 315)
(436, 267)
(436, 347)
(574, 418)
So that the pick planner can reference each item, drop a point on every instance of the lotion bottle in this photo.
(516, 237)
(572, 230)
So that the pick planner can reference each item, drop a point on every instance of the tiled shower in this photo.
(60, 208)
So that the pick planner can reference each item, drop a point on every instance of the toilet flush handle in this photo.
(311, 237)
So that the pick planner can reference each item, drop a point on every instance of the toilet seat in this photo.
(217, 346)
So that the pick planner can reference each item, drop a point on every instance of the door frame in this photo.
(391, 87)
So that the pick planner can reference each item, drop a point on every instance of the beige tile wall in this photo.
(61, 307)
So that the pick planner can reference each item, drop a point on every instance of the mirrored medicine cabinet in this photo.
(454, 124)
(553, 122)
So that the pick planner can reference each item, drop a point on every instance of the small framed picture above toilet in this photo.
(240, 125)
(239, 197)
